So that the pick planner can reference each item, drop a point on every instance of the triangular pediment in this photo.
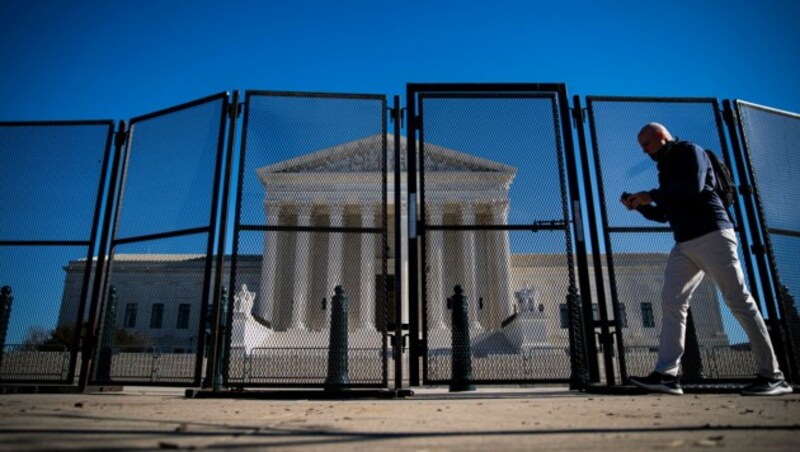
(364, 155)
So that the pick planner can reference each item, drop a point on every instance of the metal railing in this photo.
(150, 220)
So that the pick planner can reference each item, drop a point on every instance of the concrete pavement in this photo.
(550, 418)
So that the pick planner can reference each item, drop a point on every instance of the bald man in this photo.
(705, 244)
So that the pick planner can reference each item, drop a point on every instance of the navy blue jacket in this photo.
(685, 196)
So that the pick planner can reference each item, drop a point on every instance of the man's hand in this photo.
(635, 200)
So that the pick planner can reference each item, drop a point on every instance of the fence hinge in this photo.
(401, 342)
(727, 115)
(395, 115)
(579, 115)
(606, 341)
(235, 110)
(121, 137)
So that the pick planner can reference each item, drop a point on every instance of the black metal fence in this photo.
(114, 267)
(499, 226)
(635, 250)
(311, 215)
(770, 165)
(50, 200)
(161, 252)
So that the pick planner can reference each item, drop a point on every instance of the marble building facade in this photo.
(277, 301)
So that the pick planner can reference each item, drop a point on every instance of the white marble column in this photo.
(263, 308)
(301, 270)
(366, 312)
(335, 251)
(502, 304)
(435, 249)
(468, 262)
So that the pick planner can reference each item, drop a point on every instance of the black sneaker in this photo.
(657, 382)
(767, 387)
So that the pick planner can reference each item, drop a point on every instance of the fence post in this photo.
(107, 338)
(793, 332)
(6, 300)
(462, 353)
(223, 322)
(579, 372)
(338, 378)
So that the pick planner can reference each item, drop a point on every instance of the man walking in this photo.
(706, 244)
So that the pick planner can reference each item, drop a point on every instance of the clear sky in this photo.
(88, 59)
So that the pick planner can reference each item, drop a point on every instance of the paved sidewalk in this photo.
(433, 419)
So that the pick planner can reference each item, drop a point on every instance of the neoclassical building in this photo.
(517, 299)
(341, 187)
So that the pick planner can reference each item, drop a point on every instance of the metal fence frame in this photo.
(67, 375)
(579, 360)
(754, 234)
(781, 308)
(239, 226)
(209, 291)
(611, 329)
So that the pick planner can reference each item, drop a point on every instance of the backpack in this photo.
(724, 186)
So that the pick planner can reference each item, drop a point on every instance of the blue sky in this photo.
(112, 59)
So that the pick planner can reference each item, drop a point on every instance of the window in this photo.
(595, 313)
(157, 316)
(183, 316)
(564, 312)
(130, 315)
(648, 320)
(623, 316)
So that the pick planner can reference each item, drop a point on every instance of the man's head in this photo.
(652, 138)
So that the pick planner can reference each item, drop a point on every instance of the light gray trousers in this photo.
(716, 255)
